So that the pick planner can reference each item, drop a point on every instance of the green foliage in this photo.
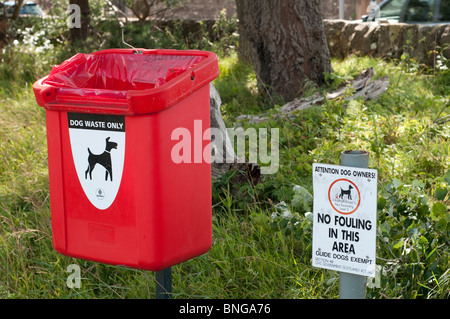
(302, 200)
(413, 238)
(33, 46)
(295, 224)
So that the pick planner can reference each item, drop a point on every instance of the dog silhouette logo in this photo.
(346, 192)
(104, 159)
(344, 196)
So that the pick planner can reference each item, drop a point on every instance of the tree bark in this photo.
(287, 43)
(17, 8)
(81, 34)
(141, 9)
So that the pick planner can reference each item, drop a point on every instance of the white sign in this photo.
(98, 151)
(345, 215)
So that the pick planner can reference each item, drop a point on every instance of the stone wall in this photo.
(387, 40)
(364, 39)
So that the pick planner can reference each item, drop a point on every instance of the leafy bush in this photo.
(413, 240)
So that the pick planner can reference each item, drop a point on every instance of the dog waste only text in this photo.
(344, 226)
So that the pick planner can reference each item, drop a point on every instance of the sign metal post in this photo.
(353, 286)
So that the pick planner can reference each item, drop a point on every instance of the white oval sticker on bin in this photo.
(98, 151)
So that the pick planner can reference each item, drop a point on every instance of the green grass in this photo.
(255, 253)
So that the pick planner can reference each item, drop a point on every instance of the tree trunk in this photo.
(81, 34)
(17, 8)
(287, 43)
(141, 9)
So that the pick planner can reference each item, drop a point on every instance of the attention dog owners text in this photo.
(345, 172)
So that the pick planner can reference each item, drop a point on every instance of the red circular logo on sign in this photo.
(344, 196)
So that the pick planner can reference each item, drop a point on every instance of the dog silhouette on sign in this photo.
(103, 159)
(346, 192)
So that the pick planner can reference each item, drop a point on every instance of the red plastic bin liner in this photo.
(122, 81)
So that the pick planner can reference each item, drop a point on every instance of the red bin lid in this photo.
(125, 81)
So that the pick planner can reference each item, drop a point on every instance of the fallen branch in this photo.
(362, 86)
(444, 119)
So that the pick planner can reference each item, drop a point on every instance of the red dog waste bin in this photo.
(117, 195)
